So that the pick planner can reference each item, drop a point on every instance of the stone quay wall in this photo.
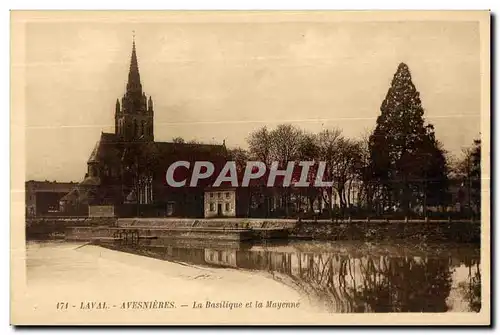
(380, 230)
(238, 229)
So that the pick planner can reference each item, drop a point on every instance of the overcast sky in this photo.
(216, 81)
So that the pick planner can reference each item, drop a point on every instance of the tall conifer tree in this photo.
(404, 154)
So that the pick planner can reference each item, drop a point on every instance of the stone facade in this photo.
(220, 202)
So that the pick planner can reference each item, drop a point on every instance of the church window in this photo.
(136, 130)
(142, 127)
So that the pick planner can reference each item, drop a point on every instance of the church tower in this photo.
(134, 116)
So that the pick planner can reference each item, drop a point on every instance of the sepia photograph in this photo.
(250, 168)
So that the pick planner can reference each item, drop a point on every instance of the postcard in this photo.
(250, 168)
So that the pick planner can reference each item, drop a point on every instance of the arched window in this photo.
(143, 124)
(136, 130)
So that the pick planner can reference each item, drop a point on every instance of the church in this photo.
(126, 169)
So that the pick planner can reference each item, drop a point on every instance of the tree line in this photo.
(399, 168)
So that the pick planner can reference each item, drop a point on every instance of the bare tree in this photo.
(327, 142)
(346, 161)
(259, 143)
(281, 144)
(367, 188)
(240, 156)
(309, 151)
(286, 142)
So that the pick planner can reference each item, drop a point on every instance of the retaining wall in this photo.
(84, 229)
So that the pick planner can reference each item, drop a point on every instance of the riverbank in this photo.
(379, 230)
(130, 285)
(240, 229)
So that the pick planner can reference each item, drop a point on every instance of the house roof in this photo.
(49, 185)
(222, 187)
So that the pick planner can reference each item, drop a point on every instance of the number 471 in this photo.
(62, 305)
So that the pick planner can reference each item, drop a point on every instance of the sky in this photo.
(214, 81)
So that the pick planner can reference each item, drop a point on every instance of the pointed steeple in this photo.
(134, 78)
(133, 119)
(133, 99)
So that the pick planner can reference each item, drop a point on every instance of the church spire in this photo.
(134, 119)
(134, 78)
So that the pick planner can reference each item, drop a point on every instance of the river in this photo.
(336, 277)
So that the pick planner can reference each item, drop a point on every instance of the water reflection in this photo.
(471, 288)
(349, 277)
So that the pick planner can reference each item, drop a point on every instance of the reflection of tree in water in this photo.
(367, 284)
(404, 285)
(327, 280)
(314, 274)
(354, 284)
(471, 288)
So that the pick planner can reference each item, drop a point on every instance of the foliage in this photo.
(406, 161)
(178, 140)
(467, 170)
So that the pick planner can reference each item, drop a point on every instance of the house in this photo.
(220, 202)
(43, 197)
